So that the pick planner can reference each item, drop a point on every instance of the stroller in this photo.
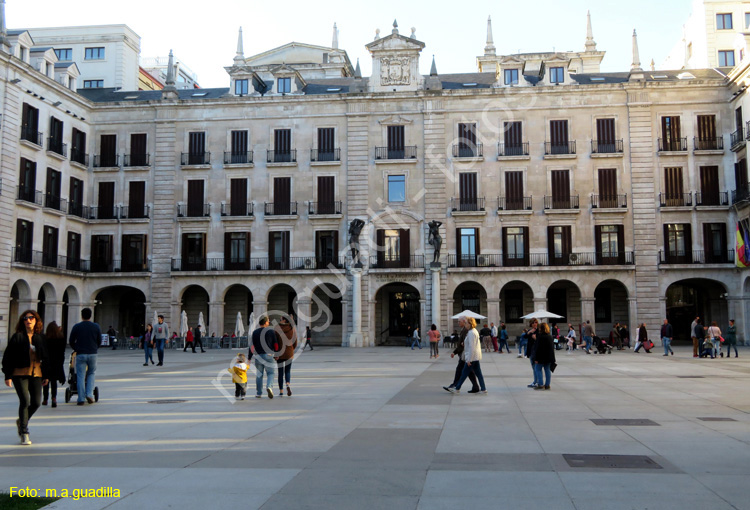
(72, 388)
(602, 346)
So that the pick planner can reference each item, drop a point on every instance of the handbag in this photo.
(721, 339)
(552, 366)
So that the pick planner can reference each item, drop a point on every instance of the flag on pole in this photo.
(742, 245)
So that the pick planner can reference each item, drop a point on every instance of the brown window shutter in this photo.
(326, 196)
(620, 244)
(380, 242)
(598, 243)
(550, 244)
(136, 199)
(478, 247)
(525, 245)
(238, 197)
(505, 245)
(405, 250)
(567, 247)
(688, 244)
(227, 249)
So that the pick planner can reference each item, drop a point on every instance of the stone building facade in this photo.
(598, 196)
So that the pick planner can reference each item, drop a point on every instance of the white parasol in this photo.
(468, 313)
(542, 314)
(202, 324)
(239, 328)
(183, 324)
(251, 322)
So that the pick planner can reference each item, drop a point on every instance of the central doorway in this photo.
(397, 313)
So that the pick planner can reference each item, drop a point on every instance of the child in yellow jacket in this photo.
(239, 376)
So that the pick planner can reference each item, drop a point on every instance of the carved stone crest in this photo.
(395, 70)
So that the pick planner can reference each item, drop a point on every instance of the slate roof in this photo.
(109, 95)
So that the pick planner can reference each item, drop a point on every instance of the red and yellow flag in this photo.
(742, 259)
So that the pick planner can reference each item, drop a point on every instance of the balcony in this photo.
(238, 158)
(709, 144)
(80, 157)
(736, 140)
(46, 260)
(31, 135)
(386, 153)
(30, 195)
(675, 200)
(697, 257)
(551, 202)
(134, 213)
(106, 161)
(280, 209)
(193, 210)
(606, 147)
(622, 258)
(283, 156)
(741, 194)
(510, 150)
(55, 202)
(559, 148)
(118, 266)
(79, 210)
(258, 264)
(679, 145)
(237, 209)
(513, 203)
(195, 158)
(468, 150)
(57, 147)
(720, 199)
(320, 208)
(474, 260)
(609, 201)
(104, 212)
(386, 261)
(467, 205)
(130, 160)
(319, 156)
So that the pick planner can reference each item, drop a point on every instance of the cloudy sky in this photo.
(203, 35)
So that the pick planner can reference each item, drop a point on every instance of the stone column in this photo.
(493, 311)
(449, 313)
(588, 311)
(304, 316)
(53, 312)
(435, 268)
(355, 337)
(632, 314)
(216, 319)
(372, 328)
(540, 303)
(260, 308)
(345, 321)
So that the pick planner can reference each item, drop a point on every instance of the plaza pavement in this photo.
(372, 429)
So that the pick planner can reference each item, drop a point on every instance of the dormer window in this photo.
(511, 76)
(240, 87)
(556, 74)
(283, 85)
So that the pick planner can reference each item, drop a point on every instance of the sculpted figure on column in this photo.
(355, 228)
(434, 238)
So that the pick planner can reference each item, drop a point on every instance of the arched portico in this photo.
(696, 297)
(123, 308)
(564, 299)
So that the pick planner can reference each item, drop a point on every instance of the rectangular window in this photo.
(75, 197)
(64, 54)
(514, 191)
(194, 252)
(30, 124)
(101, 253)
(237, 250)
(137, 199)
(24, 240)
(282, 196)
(196, 148)
(726, 58)
(94, 53)
(559, 245)
(707, 139)
(396, 142)
(468, 247)
(282, 145)
(108, 151)
(326, 248)
(724, 21)
(74, 251)
(747, 20)
(608, 187)
(673, 191)
(238, 197)
(678, 243)
(605, 136)
(240, 87)
(195, 197)
(709, 185)
(558, 130)
(397, 188)
(278, 248)
(511, 76)
(106, 203)
(467, 140)
(560, 189)
(467, 192)
(513, 138)
(326, 195)
(671, 134)
(93, 84)
(240, 152)
(326, 142)
(78, 147)
(49, 246)
(556, 74)
(610, 240)
(470, 300)
(283, 85)
(27, 181)
(513, 299)
(715, 243)
(134, 252)
(515, 246)
(54, 185)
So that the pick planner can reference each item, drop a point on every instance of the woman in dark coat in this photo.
(55, 344)
(544, 357)
(25, 366)
(730, 338)
(531, 335)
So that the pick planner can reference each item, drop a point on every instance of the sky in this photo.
(203, 35)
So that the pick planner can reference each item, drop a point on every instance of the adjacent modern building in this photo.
(305, 188)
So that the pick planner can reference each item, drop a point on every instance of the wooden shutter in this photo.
(405, 249)
(380, 246)
(326, 141)
(197, 143)
(137, 199)
(504, 234)
(56, 129)
(550, 245)
(706, 127)
(138, 149)
(514, 190)
(688, 244)
(477, 246)
(740, 174)
(559, 132)
(607, 187)
(108, 150)
(605, 131)
(513, 134)
(673, 185)
(195, 198)
(53, 185)
(467, 136)
(598, 243)
(24, 240)
(525, 245)
(708, 242)
(709, 185)
(106, 202)
(285, 248)
(560, 189)
(467, 186)
(458, 247)
(184, 251)
(282, 195)
(395, 138)
(282, 140)
(667, 253)
(238, 197)
(620, 244)
(239, 143)
(326, 194)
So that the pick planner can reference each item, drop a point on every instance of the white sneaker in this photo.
(483, 392)
(520, 356)
(270, 392)
(25, 439)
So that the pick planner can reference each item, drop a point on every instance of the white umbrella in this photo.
(183, 324)
(239, 329)
(251, 322)
(468, 313)
(542, 314)
(155, 320)
(202, 324)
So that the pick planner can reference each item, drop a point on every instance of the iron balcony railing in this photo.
(104, 212)
(30, 134)
(195, 158)
(80, 157)
(390, 261)
(554, 148)
(106, 160)
(512, 149)
(76, 209)
(53, 261)
(310, 263)
(193, 210)
(513, 203)
(741, 194)
(134, 213)
(56, 146)
(467, 204)
(136, 160)
(679, 145)
(29, 194)
(552, 202)
(475, 260)
(325, 155)
(119, 266)
(620, 258)
(609, 201)
(44, 260)
(468, 150)
(280, 209)
(709, 144)
(315, 208)
(675, 199)
(55, 202)
(284, 156)
(238, 209)
(736, 138)
(719, 198)
(238, 158)
(606, 146)
(696, 257)
(406, 152)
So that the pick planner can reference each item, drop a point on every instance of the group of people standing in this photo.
(707, 342)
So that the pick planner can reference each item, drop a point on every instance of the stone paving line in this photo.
(372, 428)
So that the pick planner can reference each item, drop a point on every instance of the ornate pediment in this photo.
(394, 120)
(395, 62)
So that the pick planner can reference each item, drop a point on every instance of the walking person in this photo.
(239, 376)
(544, 357)
(486, 335)
(696, 344)
(523, 342)
(160, 335)
(642, 340)
(112, 334)
(460, 352)
(503, 339)
(25, 365)
(189, 340)
(308, 338)
(264, 346)
(148, 345)
(666, 338)
(625, 336)
(614, 336)
(416, 339)
(288, 335)
(85, 340)
(714, 334)
(197, 338)
(473, 357)
(571, 336)
(531, 351)
(588, 336)
(434, 336)
(54, 341)
(493, 335)
(730, 339)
